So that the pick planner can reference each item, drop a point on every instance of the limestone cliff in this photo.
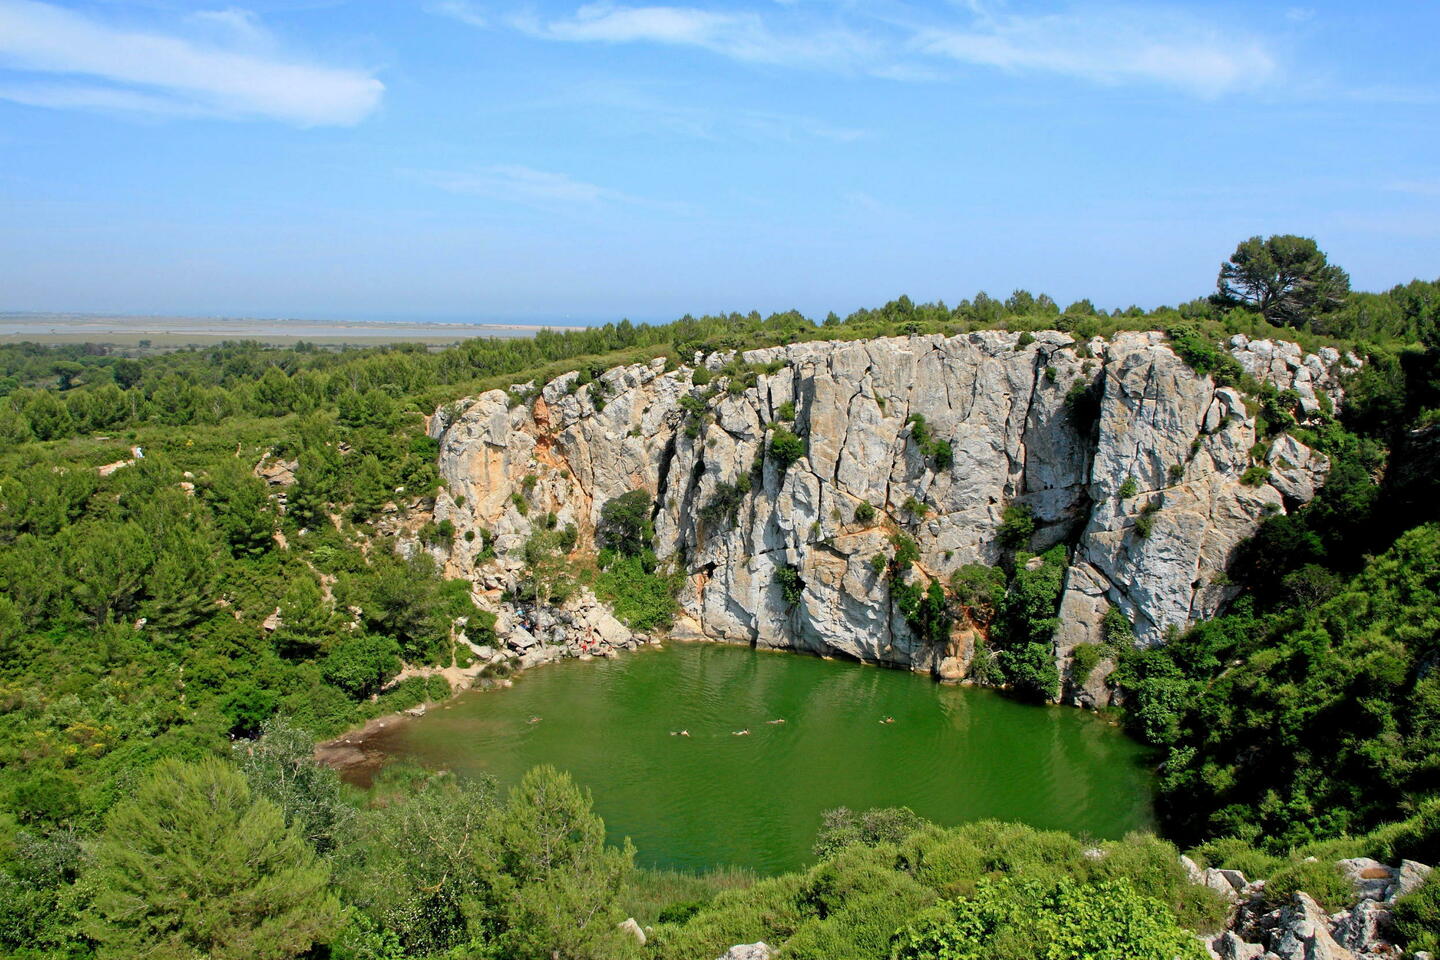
(1167, 438)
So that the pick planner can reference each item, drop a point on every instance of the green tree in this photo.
(195, 865)
(281, 767)
(551, 896)
(625, 525)
(361, 663)
(1285, 278)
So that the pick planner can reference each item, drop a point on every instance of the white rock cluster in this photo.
(1165, 435)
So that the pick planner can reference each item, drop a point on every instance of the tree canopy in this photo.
(1287, 279)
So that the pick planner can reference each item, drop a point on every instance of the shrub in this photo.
(1030, 669)
(700, 376)
(1024, 340)
(786, 411)
(792, 587)
(842, 827)
(786, 448)
(361, 663)
(915, 508)
(864, 512)
(1177, 472)
(1084, 658)
(641, 597)
(1256, 476)
(522, 506)
(1321, 879)
(906, 552)
(1417, 917)
(877, 563)
(1017, 525)
(1128, 489)
(1013, 919)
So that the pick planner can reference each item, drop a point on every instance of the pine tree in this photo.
(195, 866)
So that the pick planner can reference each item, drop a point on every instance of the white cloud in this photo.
(524, 185)
(741, 36)
(1111, 45)
(460, 10)
(1102, 44)
(159, 73)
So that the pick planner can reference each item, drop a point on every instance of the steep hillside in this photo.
(971, 446)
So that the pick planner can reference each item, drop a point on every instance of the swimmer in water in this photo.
(534, 720)
(781, 720)
(887, 719)
(740, 733)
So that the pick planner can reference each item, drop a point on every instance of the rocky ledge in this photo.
(1148, 470)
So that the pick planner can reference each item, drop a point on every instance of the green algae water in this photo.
(952, 754)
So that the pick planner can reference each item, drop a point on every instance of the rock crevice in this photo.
(1177, 446)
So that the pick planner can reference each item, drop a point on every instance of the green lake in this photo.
(952, 754)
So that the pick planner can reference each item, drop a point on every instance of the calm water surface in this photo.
(952, 754)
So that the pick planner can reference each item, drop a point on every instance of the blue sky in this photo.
(553, 161)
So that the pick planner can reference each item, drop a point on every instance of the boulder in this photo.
(1304, 933)
(629, 926)
(749, 951)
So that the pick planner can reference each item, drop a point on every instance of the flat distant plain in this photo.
(170, 332)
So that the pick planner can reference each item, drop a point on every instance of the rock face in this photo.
(1300, 929)
(1014, 415)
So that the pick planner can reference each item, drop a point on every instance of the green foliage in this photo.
(700, 376)
(864, 513)
(1321, 879)
(1084, 658)
(843, 827)
(725, 503)
(641, 597)
(1128, 489)
(1417, 917)
(195, 865)
(1256, 476)
(1337, 690)
(361, 664)
(785, 448)
(980, 591)
(931, 447)
(625, 523)
(792, 587)
(1286, 279)
(1011, 919)
(915, 508)
(1203, 355)
(786, 411)
(907, 552)
(1017, 526)
(875, 891)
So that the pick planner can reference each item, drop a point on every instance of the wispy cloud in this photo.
(460, 10)
(525, 185)
(1110, 45)
(136, 70)
(742, 35)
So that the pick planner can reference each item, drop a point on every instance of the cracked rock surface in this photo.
(1169, 439)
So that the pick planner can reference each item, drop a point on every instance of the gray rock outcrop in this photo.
(1013, 412)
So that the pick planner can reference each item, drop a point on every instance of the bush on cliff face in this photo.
(625, 523)
(785, 448)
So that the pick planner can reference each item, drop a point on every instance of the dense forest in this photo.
(158, 795)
